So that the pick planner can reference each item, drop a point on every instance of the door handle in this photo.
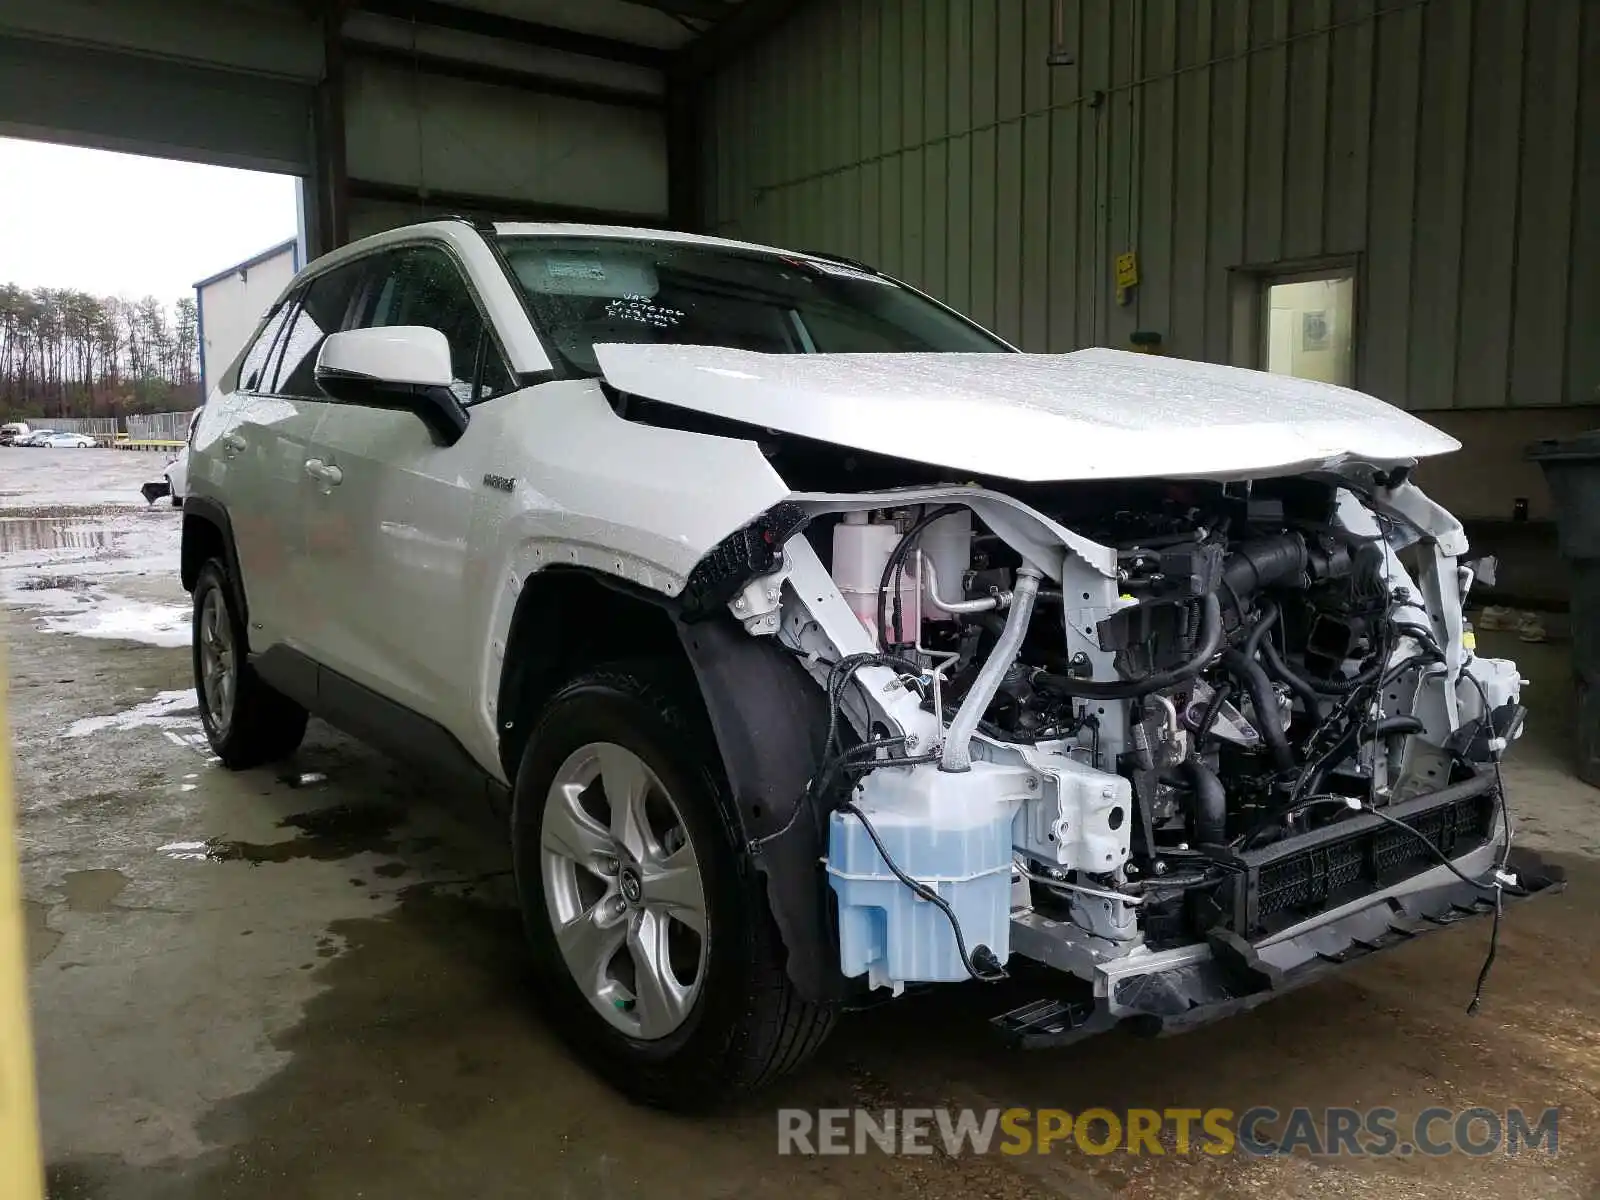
(233, 444)
(323, 472)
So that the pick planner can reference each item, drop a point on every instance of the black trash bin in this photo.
(1572, 469)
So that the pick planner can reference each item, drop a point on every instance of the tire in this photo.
(246, 721)
(742, 1024)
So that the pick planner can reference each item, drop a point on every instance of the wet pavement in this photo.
(309, 980)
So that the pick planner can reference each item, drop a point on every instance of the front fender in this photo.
(770, 720)
(768, 717)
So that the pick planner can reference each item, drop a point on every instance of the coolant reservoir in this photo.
(861, 550)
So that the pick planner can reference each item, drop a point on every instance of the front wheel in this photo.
(246, 721)
(657, 956)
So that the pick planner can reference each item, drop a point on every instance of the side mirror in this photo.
(403, 367)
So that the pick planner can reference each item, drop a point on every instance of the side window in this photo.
(421, 285)
(253, 366)
(322, 311)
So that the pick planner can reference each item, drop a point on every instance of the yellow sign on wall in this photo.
(1127, 265)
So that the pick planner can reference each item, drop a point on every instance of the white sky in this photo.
(119, 224)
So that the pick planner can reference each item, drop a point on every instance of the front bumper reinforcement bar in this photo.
(1229, 975)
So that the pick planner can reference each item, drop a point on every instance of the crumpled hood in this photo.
(1091, 414)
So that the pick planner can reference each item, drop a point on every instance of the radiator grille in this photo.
(1340, 869)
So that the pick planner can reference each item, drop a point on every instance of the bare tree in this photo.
(65, 353)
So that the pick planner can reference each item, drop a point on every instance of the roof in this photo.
(402, 233)
(266, 255)
(569, 229)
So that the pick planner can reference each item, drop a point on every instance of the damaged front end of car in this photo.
(1192, 741)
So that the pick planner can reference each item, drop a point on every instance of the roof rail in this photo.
(480, 223)
(843, 260)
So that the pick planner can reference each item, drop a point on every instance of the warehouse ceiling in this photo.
(679, 36)
(391, 109)
(646, 31)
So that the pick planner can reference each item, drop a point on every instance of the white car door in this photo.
(388, 542)
(241, 461)
(286, 412)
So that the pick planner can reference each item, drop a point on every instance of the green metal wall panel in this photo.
(1543, 267)
(1489, 250)
(1441, 195)
(1448, 148)
(1385, 333)
(1582, 343)
(1191, 182)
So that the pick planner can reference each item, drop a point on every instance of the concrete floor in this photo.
(309, 981)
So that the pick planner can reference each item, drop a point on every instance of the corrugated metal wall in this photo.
(413, 129)
(1450, 148)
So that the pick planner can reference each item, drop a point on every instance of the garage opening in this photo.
(101, 319)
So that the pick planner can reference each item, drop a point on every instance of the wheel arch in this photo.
(766, 714)
(208, 534)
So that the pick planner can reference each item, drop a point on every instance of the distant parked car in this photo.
(12, 430)
(36, 437)
(177, 473)
(67, 441)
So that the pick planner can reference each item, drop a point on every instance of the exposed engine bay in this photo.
(1130, 721)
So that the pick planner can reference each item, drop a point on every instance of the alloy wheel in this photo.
(624, 891)
(218, 661)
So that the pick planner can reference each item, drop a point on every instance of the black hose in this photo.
(1343, 687)
(1269, 617)
(1297, 684)
(1406, 664)
(1393, 726)
(1313, 780)
(1208, 715)
(1385, 728)
(991, 620)
(1210, 803)
(1265, 701)
(1127, 689)
(1263, 562)
(1422, 634)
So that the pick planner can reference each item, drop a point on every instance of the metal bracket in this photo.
(758, 602)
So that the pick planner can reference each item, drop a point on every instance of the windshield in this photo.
(586, 290)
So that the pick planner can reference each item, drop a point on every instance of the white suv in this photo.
(817, 644)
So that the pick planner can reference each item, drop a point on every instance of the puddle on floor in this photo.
(42, 940)
(386, 984)
(92, 891)
(326, 835)
(73, 1181)
(50, 533)
(356, 824)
